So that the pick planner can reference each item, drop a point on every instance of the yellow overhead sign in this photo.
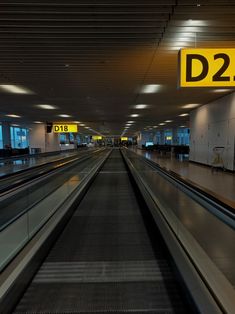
(65, 128)
(124, 138)
(96, 137)
(207, 67)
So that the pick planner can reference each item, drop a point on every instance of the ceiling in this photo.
(91, 58)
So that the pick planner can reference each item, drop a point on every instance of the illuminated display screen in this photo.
(96, 137)
(148, 144)
(124, 138)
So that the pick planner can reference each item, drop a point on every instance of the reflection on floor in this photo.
(219, 182)
(12, 166)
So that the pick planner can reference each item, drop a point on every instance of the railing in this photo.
(24, 211)
(200, 242)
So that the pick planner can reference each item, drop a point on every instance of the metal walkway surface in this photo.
(106, 261)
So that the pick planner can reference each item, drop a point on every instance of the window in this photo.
(1, 138)
(63, 138)
(158, 137)
(183, 135)
(168, 137)
(19, 137)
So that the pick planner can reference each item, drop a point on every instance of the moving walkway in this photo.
(110, 256)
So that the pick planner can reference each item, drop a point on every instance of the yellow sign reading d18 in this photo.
(65, 128)
(207, 67)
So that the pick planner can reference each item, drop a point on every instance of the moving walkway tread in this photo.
(106, 260)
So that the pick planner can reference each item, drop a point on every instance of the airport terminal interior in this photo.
(117, 156)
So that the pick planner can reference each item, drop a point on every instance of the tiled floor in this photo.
(219, 182)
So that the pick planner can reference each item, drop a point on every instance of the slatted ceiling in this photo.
(108, 47)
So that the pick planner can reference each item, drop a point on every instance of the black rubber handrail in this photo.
(20, 180)
(212, 198)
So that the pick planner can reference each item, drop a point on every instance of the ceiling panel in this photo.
(91, 58)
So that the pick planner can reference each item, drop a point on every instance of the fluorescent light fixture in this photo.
(190, 106)
(64, 115)
(183, 126)
(151, 88)
(37, 122)
(87, 127)
(130, 122)
(162, 123)
(141, 106)
(134, 115)
(45, 106)
(15, 89)
(82, 124)
(155, 126)
(76, 121)
(168, 121)
(194, 23)
(13, 115)
(221, 90)
(183, 114)
(15, 124)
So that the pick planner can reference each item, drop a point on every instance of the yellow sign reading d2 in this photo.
(207, 67)
(65, 128)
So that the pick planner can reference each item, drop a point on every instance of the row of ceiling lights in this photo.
(146, 89)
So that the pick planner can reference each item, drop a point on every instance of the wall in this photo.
(213, 125)
(38, 138)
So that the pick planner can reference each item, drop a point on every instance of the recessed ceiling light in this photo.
(151, 88)
(82, 124)
(141, 106)
(155, 126)
(15, 89)
(220, 90)
(190, 106)
(37, 122)
(45, 106)
(130, 122)
(13, 115)
(162, 123)
(87, 127)
(15, 124)
(183, 126)
(183, 114)
(134, 115)
(64, 115)
(168, 121)
(76, 121)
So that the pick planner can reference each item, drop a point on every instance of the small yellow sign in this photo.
(207, 67)
(124, 138)
(96, 137)
(65, 128)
